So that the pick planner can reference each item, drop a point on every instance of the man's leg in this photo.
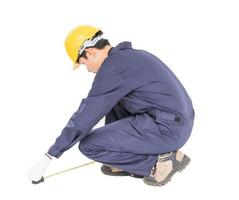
(121, 145)
(138, 145)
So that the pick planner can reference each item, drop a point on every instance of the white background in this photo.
(39, 91)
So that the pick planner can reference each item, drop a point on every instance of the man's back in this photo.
(154, 84)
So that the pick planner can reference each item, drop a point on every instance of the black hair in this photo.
(99, 45)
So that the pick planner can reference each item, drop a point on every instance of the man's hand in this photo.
(35, 173)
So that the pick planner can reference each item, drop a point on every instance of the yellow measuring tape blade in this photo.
(66, 170)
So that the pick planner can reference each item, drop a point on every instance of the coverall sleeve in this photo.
(107, 89)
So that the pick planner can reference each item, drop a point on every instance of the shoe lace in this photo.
(154, 170)
(164, 157)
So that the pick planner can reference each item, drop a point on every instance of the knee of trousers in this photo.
(84, 147)
(87, 149)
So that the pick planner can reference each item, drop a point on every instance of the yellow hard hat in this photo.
(76, 38)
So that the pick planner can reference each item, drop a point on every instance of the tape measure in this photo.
(61, 172)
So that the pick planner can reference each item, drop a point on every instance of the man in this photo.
(148, 113)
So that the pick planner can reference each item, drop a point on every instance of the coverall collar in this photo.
(120, 46)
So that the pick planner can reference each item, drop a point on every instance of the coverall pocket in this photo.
(143, 123)
(167, 123)
(168, 118)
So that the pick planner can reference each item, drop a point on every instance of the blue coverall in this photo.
(147, 112)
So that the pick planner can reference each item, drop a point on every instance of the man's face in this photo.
(93, 60)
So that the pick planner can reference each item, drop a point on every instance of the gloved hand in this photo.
(35, 173)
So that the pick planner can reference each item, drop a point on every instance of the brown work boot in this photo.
(113, 171)
(166, 167)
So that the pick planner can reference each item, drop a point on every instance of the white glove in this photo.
(35, 173)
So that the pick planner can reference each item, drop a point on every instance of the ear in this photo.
(90, 51)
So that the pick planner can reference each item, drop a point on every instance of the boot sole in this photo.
(179, 168)
(107, 171)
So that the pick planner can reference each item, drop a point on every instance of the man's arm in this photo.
(107, 89)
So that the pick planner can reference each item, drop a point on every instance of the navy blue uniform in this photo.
(147, 112)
